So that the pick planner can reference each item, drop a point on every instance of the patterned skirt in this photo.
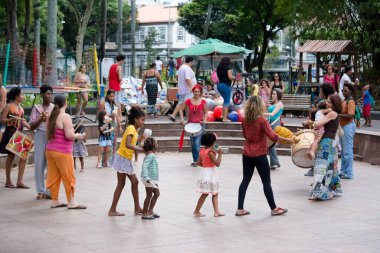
(122, 165)
(326, 176)
(208, 182)
(79, 149)
(151, 90)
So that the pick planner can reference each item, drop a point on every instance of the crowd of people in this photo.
(58, 142)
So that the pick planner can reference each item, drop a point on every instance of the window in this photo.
(141, 33)
(181, 34)
(162, 34)
(127, 38)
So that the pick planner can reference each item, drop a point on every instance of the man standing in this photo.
(345, 77)
(158, 65)
(186, 81)
(115, 77)
(347, 123)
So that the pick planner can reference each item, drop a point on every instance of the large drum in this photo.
(193, 129)
(299, 150)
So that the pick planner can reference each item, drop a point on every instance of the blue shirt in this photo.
(150, 168)
(276, 116)
(366, 98)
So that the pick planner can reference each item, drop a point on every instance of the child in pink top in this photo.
(208, 182)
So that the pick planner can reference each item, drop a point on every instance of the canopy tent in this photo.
(211, 46)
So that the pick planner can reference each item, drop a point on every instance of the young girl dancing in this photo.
(105, 138)
(122, 160)
(12, 117)
(208, 182)
(149, 177)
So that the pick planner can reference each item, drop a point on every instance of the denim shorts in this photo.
(105, 143)
(182, 98)
(225, 91)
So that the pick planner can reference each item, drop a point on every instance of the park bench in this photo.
(298, 104)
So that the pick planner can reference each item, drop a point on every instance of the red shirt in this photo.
(256, 134)
(113, 78)
(195, 111)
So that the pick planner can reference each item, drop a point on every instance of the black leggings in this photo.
(249, 164)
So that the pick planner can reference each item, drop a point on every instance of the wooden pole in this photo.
(300, 68)
(317, 66)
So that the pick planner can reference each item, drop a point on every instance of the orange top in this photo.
(205, 158)
(348, 107)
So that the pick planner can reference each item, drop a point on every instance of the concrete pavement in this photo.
(350, 223)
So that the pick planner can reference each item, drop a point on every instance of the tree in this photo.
(149, 43)
(249, 23)
(81, 10)
(51, 45)
(354, 20)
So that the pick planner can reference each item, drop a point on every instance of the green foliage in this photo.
(149, 43)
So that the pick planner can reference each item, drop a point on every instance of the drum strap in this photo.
(180, 143)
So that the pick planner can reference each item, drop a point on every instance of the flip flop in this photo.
(148, 217)
(171, 118)
(156, 216)
(22, 186)
(60, 205)
(242, 213)
(10, 186)
(279, 211)
(78, 207)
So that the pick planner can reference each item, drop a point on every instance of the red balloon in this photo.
(241, 115)
(210, 116)
(218, 112)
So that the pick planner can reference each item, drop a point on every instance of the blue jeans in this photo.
(40, 142)
(195, 142)
(272, 151)
(225, 91)
(347, 142)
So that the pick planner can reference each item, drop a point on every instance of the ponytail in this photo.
(59, 101)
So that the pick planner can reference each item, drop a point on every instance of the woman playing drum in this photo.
(326, 177)
(274, 114)
(197, 114)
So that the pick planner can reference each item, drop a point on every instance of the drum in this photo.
(20, 144)
(193, 129)
(299, 150)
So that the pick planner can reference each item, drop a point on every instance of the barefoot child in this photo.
(149, 177)
(79, 148)
(208, 182)
(122, 160)
(320, 113)
(105, 138)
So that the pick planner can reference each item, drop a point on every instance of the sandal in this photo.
(171, 118)
(78, 207)
(148, 217)
(279, 211)
(59, 205)
(10, 186)
(40, 196)
(242, 213)
(22, 186)
(156, 216)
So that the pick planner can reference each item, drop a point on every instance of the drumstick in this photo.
(80, 123)
(15, 117)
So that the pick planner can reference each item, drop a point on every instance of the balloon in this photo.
(210, 104)
(241, 115)
(218, 101)
(218, 111)
(233, 116)
(210, 116)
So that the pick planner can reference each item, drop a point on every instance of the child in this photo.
(79, 149)
(12, 117)
(149, 177)
(210, 92)
(367, 105)
(208, 182)
(264, 91)
(105, 138)
(122, 160)
(317, 115)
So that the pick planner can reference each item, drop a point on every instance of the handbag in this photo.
(20, 144)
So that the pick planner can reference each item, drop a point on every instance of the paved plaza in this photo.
(350, 223)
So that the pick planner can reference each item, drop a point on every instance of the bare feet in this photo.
(198, 215)
(116, 213)
(218, 214)
(310, 155)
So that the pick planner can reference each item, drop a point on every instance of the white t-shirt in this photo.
(345, 77)
(185, 72)
(158, 65)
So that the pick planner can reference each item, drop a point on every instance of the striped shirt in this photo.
(150, 168)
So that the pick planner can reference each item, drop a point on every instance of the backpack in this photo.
(214, 77)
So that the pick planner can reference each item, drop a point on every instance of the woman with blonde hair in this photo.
(256, 131)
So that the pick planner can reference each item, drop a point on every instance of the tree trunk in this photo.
(120, 27)
(13, 37)
(133, 33)
(26, 42)
(37, 28)
(81, 32)
(103, 36)
(260, 60)
(51, 77)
